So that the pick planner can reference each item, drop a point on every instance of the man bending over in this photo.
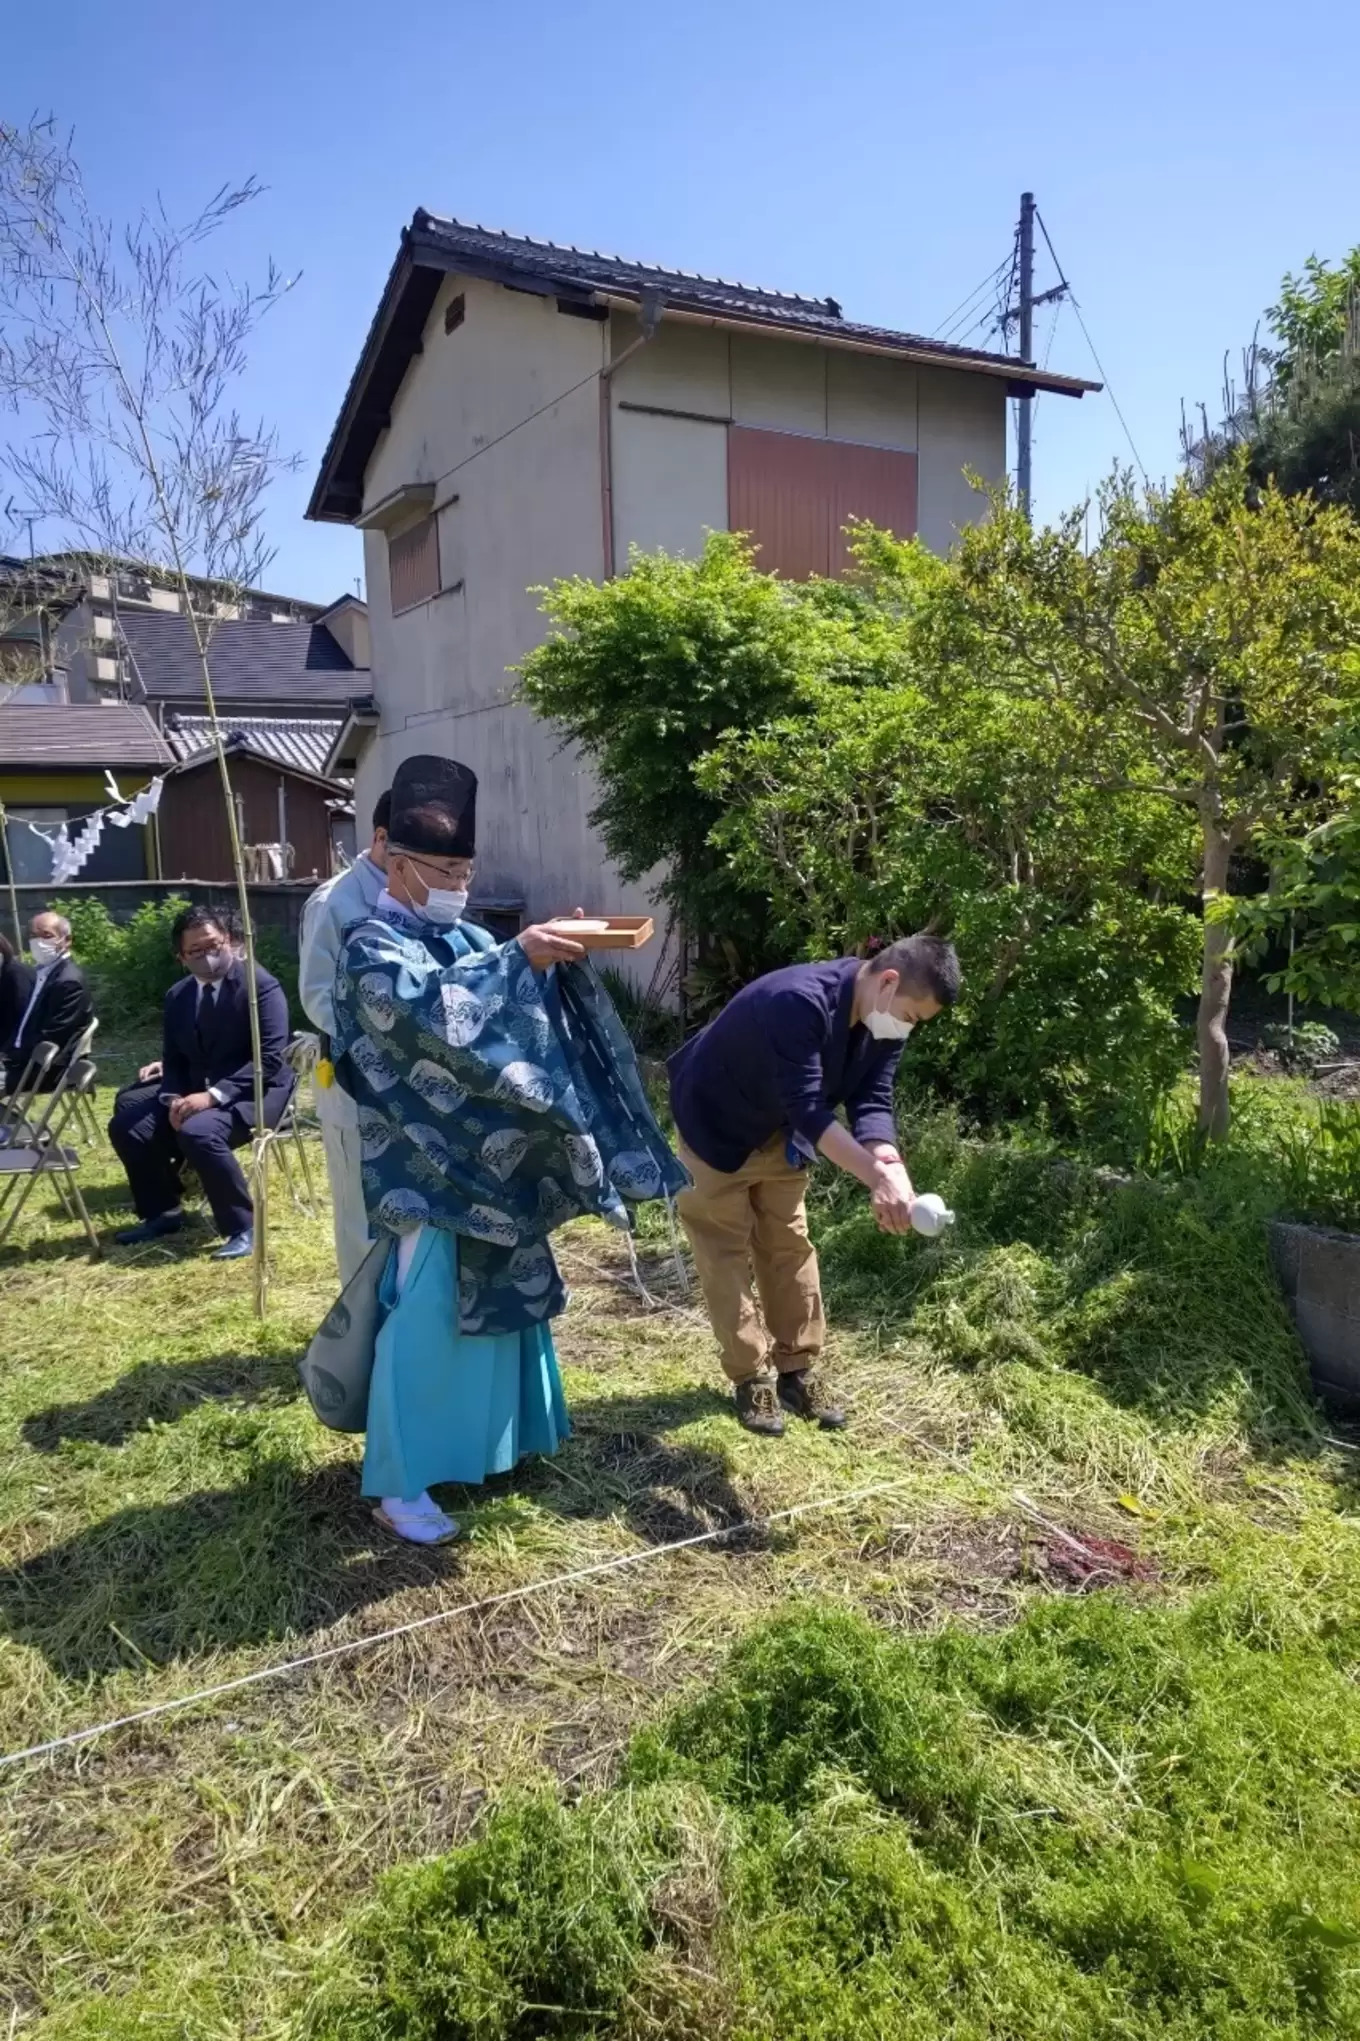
(755, 1097)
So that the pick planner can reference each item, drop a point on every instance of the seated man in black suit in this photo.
(58, 1008)
(198, 1102)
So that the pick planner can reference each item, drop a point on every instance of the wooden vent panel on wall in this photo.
(795, 496)
(413, 564)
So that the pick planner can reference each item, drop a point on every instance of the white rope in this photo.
(635, 1268)
(514, 1594)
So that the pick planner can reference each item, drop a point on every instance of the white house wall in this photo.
(670, 479)
(962, 427)
(670, 483)
(503, 415)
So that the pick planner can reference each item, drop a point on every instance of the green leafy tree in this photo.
(1211, 642)
(1314, 897)
(950, 801)
(1298, 413)
(1315, 319)
(648, 671)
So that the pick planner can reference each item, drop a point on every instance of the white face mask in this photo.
(884, 1025)
(44, 951)
(443, 906)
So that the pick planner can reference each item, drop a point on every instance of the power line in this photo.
(1100, 366)
(961, 310)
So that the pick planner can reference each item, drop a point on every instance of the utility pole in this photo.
(1022, 302)
(1025, 427)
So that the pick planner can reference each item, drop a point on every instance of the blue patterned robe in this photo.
(494, 1102)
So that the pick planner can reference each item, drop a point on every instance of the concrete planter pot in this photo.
(1319, 1271)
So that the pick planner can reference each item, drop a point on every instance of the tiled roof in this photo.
(304, 743)
(432, 247)
(89, 734)
(548, 261)
(294, 666)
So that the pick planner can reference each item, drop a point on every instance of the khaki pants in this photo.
(755, 1218)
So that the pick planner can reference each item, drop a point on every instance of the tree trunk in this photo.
(1215, 992)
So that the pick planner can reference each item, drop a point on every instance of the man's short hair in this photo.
(63, 925)
(203, 916)
(382, 814)
(925, 964)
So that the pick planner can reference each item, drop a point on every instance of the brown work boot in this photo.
(758, 1407)
(801, 1392)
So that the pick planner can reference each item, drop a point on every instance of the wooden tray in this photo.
(605, 931)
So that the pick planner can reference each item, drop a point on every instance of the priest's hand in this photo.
(544, 946)
(147, 1072)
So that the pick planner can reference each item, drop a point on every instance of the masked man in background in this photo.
(333, 908)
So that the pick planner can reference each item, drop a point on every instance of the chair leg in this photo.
(26, 1183)
(306, 1167)
(96, 1246)
(59, 1185)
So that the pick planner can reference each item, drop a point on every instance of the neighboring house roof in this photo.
(80, 734)
(282, 666)
(74, 570)
(431, 247)
(238, 745)
(353, 736)
(303, 743)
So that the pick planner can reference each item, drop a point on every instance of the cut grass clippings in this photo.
(1082, 1363)
(1106, 1820)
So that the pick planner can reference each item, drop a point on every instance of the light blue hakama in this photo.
(444, 1405)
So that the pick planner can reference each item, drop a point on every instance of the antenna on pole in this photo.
(1024, 457)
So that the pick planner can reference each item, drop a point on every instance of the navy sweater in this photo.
(782, 1056)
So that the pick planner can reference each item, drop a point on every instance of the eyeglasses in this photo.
(458, 872)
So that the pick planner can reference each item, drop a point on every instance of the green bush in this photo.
(130, 964)
(944, 804)
(1322, 1166)
(1113, 1820)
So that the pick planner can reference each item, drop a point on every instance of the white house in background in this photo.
(522, 412)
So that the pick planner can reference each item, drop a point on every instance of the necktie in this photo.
(207, 1008)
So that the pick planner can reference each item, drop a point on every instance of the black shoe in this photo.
(803, 1395)
(758, 1407)
(151, 1229)
(237, 1247)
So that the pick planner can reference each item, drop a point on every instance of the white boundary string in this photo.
(513, 1594)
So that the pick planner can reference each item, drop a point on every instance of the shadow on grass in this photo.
(287, 1553)
(161, 1392)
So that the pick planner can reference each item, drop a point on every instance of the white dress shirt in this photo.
(334, 907)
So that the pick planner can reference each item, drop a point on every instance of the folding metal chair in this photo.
(45, 1154)
(288, 1134)
(14, 1110)
(86, 1117)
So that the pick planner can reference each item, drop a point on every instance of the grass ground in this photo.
(1088, 1399)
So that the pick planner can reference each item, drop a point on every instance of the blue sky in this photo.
(1184, 156)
